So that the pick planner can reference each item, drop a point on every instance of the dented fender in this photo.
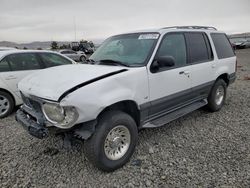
(90, 100)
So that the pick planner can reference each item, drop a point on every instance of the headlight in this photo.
(63, 117)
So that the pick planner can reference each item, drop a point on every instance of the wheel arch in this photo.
(128, 106)
(224, 77)
(12, 96)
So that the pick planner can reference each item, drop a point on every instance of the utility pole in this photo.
(75, 27)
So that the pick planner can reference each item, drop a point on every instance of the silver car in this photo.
(76, 56)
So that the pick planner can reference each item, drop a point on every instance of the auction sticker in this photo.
(148, 36)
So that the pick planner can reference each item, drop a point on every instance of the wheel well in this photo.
(6, 91)
(128, 106)
(224, 77)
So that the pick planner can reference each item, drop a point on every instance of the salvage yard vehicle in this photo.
(136, 80)
(15, 65)
(76, 56)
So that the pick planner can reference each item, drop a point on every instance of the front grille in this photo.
(31, 103)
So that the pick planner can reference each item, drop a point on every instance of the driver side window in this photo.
(174, 45)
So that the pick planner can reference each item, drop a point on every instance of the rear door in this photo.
(202, 64)
(19, 66)
(170, 87)
(52, 59)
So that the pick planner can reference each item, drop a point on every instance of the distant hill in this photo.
(38, 44)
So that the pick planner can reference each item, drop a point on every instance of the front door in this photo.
(170, 87)
(17, 67)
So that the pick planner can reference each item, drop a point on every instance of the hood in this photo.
(54, 82)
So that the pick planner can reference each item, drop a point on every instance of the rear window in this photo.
(51, 59)
(222, 45)
(199, 48)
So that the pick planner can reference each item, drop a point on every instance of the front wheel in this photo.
(217, 96)
(6, 104)
(113, 142)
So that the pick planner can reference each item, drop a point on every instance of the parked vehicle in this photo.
(15, 65)
(83, 46)
(76, 56)
(240, 43)
(138, 80)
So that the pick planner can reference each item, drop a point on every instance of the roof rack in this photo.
(191, 27)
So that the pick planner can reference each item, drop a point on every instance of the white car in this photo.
(76, 56)
(15, 65)
(138, 80)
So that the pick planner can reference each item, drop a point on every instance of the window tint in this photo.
(198, 48)
(25, 61)
(174, 45)
(51, 59)
(222, 45)
(4, 65)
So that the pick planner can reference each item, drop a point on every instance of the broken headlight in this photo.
(60, 116)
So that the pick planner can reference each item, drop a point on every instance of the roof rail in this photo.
(191, 27)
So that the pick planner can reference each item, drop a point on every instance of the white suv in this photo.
(135, 80)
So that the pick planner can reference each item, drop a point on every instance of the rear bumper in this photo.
(33, 128)
(232, 78)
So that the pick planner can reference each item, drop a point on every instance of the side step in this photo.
(163, 120)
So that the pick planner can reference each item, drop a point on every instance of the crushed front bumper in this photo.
(33, 127)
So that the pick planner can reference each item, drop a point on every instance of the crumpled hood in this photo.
(51, 83)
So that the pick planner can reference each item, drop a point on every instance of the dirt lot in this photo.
(201, 149)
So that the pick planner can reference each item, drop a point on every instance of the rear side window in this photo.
(199, 47)
(222, 45)
(51, 60)
(4, 65)
(25, 61)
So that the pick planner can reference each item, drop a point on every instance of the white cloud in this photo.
(29, 20)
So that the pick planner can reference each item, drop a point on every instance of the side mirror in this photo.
(161, 62)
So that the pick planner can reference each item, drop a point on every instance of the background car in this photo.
(76, 56)
(240, 43)
(15, 65)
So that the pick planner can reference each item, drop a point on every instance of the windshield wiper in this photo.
(110, 61)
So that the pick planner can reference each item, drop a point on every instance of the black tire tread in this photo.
(12, 103)
(90, 146)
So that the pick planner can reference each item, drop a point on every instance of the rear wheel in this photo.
(113, 142)
(6, 104)
(217, 95)
(82, 58)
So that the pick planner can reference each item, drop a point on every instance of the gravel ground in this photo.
(201, 149)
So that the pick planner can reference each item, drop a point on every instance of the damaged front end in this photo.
(39, 117)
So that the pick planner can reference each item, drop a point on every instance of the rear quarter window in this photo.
(4, 65)
(222, 45)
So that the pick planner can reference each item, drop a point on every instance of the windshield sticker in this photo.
(148, 36)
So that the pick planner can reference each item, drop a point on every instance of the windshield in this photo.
(130, 49)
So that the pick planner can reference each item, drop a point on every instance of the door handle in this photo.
(11, 77)
(185, 72)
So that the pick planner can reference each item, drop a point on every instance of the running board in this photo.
(163, 120)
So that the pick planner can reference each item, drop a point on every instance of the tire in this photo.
(6, 104)
(216, 100)
(96, 147)
(83, 59)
